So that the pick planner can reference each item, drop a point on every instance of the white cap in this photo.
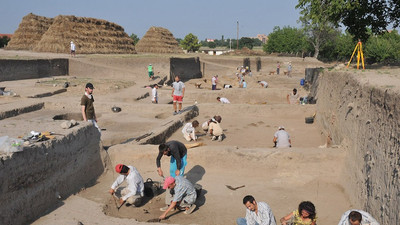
(281, 128)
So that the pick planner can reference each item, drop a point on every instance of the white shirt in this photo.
(224, 100)
(178, 88)
(188, 128)
(264, 83)
(154, 93)
(282, 140)
(134, 181)
(263, 217)
(367, 219)
(214, 80)
(72, 46)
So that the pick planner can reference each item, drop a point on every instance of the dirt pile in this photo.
(90, 35)
(158, 40)
(29, 32)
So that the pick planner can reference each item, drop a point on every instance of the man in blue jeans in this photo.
(178, 153)
(257, 213)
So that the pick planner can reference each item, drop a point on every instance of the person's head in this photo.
(294, 91)
(155, 86)
(355, 218)
(281, 128)
(250, 202)
(121, 169)
(89, 88)
(218, 119)
(169, 183)
(72, 42)
(307, 210)
(176, 78)
(218, 99)
(149, 64)
(195, 123)
(164, 149)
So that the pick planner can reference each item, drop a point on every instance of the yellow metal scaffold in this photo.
(360, 54)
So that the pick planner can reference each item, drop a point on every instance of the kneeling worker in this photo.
(184, 195)
(133, 193)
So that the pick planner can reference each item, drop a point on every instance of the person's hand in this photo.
(177, 172)
(162, 216)
(111, 191)
(160, 172)
(121, 201)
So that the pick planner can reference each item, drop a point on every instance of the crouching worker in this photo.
(183, 197)
(215, 129)
(133, 193)
(256, 213)
(189, 131)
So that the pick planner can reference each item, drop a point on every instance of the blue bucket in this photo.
(302, 82)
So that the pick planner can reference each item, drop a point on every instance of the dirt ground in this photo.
(282, 178)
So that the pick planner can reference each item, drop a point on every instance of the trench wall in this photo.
(33, 180)
(366, 120)
(14, 69)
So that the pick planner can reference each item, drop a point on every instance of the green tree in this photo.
(383, 48)
(190, 43)
(246, 42)
(316, 24)
(212, 45)
(287, 39)
(4, 41)
(359, 15)
(135, 38)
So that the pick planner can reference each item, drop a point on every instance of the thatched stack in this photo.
(29, 32)
(158, 40)
(90, 36)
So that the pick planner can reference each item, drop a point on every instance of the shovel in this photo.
(156, 220)
(115, 201)
(234, 188)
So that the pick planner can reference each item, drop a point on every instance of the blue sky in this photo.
(205, 19)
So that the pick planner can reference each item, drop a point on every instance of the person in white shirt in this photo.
(282, 138)
(215, 129)
(256, 213)
(133, 193)
(293, 98)
(263, 83)
(154, 93)
(223, 100)
(189, 131)
(214, 81)
(357, 217)
(72, 49)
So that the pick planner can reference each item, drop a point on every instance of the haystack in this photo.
(158, 40)
(29, 32)
(90, 36)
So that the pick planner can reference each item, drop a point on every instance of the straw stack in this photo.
(29, 32)
(90, 36)
(158, 40)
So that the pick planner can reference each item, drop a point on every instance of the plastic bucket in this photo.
(302, 82)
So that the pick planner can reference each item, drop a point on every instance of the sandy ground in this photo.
(282, 178)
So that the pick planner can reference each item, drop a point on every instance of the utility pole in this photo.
(237, 35)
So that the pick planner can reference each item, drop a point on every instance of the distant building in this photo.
(7, 35)
(210, 40)
(262, 37)
(213, 51)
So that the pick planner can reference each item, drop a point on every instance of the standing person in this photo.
(72, 49)
(215, 129)
(178, 153)
(293, 98)
(133, 193)
(289, 69)
(223, 100)
(257, 213)
(178, 92)
(87, 101)
(150, 71)
(357, 217)
(154, 93)
(184, 195)
(214, 82)
(189, 131)
(278, 67)
(244, 84)
(304, 215)
(282, 138)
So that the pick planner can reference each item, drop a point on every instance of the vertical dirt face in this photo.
(365, 118)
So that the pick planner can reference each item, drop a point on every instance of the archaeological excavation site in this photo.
(57, 168)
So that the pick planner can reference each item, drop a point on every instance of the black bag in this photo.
(151, 188)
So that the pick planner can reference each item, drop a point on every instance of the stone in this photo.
(66, 124)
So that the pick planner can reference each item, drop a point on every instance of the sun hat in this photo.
(118, 168)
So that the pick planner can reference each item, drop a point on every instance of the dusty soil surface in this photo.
(282, 178)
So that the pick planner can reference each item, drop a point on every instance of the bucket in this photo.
(302, 82)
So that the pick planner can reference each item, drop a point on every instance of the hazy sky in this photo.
(203, 18)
